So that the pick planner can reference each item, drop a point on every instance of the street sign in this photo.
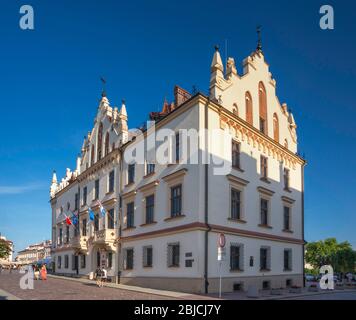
(222, 240)
(221, 253)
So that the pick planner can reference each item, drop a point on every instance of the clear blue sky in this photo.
(50, 88)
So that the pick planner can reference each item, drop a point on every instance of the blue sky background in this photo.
(50, 88)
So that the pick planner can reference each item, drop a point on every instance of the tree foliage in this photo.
(5, 249)
(340, 256)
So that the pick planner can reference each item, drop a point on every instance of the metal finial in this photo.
(103, 93)
(216, 47)
(259, 41)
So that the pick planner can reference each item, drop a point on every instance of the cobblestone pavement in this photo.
(62, 289)
(351, 295)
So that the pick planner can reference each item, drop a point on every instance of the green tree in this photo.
(340, 256)
(5, 249)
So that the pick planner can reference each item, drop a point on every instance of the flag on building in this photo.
(68, 221)
(91, 215)
(102, 210)
(74, 219)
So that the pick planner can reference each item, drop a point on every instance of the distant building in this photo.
(35, 252)
(9, 258)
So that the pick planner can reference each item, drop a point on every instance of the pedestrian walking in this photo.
(36, 272)
(98, 276)
(44, 272)
(104, 277)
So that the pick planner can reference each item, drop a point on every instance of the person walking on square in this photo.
(44, 272)
(104, 277)
(36, 272)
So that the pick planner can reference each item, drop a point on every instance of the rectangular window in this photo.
(129, 261)
(67, 234)
(264, 259)
(66, 261)
(84, 227)
(235, 257)
(76, 201)
(150, 168)
(173, 255)
(98, 259)
(60, 236)
(264, 212)
(130, 223)
(111, 219)
(235, 156)
(177, 148)
(85, 195)
(110, 260)
(235, 204)
(176, 201)
(286, 178)
(287, 259)
(131, 173)
(96, 222)
(262, 125)
(111, 181)
(96, 190)
(150, 207)
(147, 256)
(73, 262)
(286, 218)
(264, 167)
(83, 261)
(59, 262)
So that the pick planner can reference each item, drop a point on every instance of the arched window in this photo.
(286, 143)
(235, 110)
(275, 127)
(263, 107)
(92, 160)
(248, 99)
(100, 141)
(107, 143)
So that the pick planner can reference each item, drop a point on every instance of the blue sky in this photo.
(50, 88)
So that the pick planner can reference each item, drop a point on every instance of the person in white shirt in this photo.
(104, 277)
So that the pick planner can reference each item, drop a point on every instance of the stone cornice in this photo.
(237, 180)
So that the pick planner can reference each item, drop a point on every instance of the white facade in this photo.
(176, 248)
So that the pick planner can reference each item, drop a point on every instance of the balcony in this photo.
(80, 243)
(105, 237)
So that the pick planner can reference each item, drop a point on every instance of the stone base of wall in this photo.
(196, 285)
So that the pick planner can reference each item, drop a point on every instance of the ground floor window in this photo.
(173, 255)
(98, 259)
(110, 260)
(83, 261)
(59, 260)
(287, 259)
(147, 256)
(128, 261)
(66, 261)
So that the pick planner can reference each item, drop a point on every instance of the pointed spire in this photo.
(54, 177)
(259, 41)
(123, 111)
(217, 64)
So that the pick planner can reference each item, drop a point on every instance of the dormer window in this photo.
(100, 141)
(263, 108)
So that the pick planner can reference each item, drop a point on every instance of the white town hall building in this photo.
(163, 220)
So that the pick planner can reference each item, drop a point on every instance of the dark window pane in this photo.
(235, 204)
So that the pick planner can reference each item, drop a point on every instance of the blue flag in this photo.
(91, 214)
(75, 219)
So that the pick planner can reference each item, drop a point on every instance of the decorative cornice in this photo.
(177, 174)
(265, 191)
(148, 186)
(237, 180)
(287, 199)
